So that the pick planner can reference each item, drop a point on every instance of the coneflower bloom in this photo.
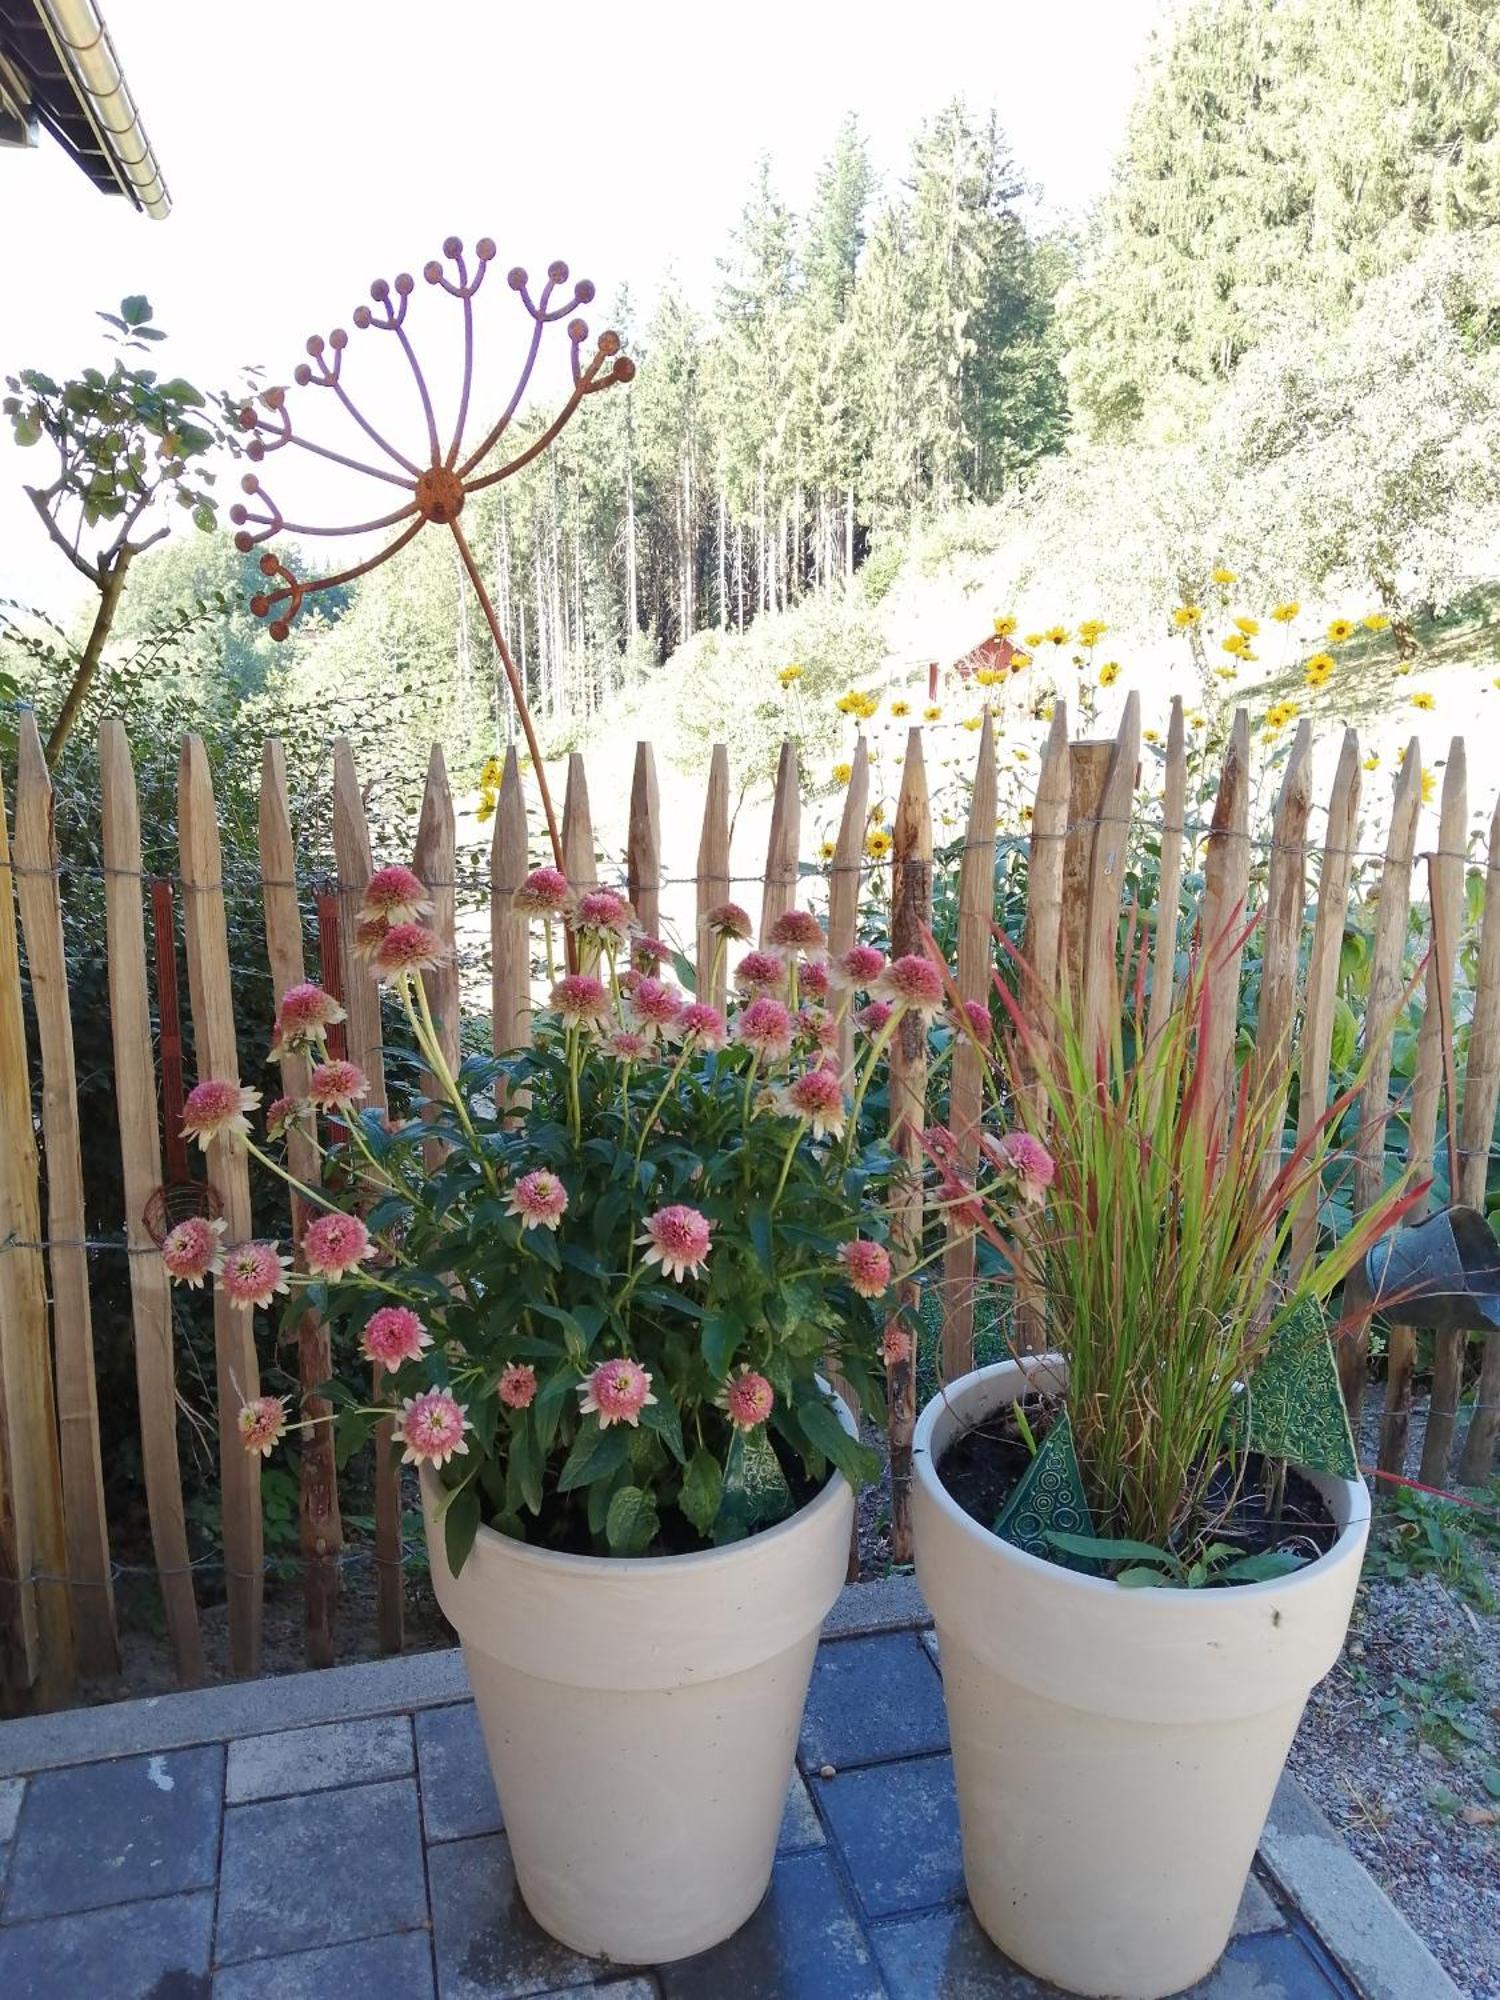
(544, 893)
(761, 972)
(860, 966)
(393, 1335)
(728, 920)
(1024, 1159)
(819, 1026)
(431, 1427)
(895, 1345)
(337, 1086)
(395, 896)
(765, 1027)
(874, 1016)
(303, 1019)
(625, 1045)
(702, 1025)
(867, 1266)
(647, 953)
(602, 916)
(799, 930)
(406, 949)
(194, 1249)
(818, 1097)
(616, 1393)
(369, 935)
(812, 978)
(253, 1274)
(913, 984)
(747, 1399)
(976, 1017)
(335, 1243)
(539, 1199)
(262, 1424)
(678, 1239)
(281, 1113)
(216, 1109)
(582, 1000)
(654, 1006)
(516, 1387)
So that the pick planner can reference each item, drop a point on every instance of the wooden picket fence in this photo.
(57, 1614)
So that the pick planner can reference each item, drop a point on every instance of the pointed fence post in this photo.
(579, 865)
(1043, 950)
(1392, 916)
(1088, 773)
(211, 998)
(1226, 885)
(1286, 903)
(435, 860)
(643, 842)
(845, 878)
(1481, 1091)
(911, 918)
(1106, 880)
(784, 843)
(140, 1161)
(713, 877)
(1169, 875)
(976, 959)
(510, 929)
(39, 894)
(319, 1526)
(351, 849)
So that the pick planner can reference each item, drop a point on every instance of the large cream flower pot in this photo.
(1115, 1751)
(641, 1718)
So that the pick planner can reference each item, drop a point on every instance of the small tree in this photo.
(123, 441)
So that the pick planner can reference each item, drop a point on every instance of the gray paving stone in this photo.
(872, 1698)
(800, 1825)
(319, 1870)
(946, 1956)
(615, 1989)
(1257, 1912)
(803, 1943)
(458, 1793)
(897, 1828)
(1275, 1967)
(318, 1759)
(378, 1968)
(487, 1943)
(157, 1950)
(116, 1833)
(11, 1792)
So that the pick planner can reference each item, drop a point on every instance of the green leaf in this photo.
(722, 1334)
(662, 1417)
(136, 310)
(702, 1490)
(630, 1525)
(1260, 1568)
(596, 1454)
(1139, 1577)
(460, 1526)
(1106, 1548)
(826, 1434)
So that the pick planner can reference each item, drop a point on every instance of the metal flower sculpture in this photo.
(434, 482)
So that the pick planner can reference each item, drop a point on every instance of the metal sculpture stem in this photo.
(518, 692)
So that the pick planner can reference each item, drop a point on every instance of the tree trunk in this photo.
(849, 535)
(723, 561)
(110, 591)
(632, 585)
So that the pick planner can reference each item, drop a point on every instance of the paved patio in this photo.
(361, 1849)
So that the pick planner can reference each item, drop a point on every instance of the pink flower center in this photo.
(394, 1334)
(749, 1400)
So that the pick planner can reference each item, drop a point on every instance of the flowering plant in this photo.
(599, 1277)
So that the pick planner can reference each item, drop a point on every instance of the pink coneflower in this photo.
(799, 930)
(281, 1113)
(1024, 1159)
(861, 965)
(625, 1045)
(812, 978)
(582, 1000)
(517, 1385)
(337, 1086)
(747, 1399)
(975, 1017)
(194, 1249)
(539, 1199)
(544, 893)
(647, 953)
(395, 896)
(959, 1203)
(406, 949)
(702, 1025)
(393, 1335)
(678, 1237)
(874, 1016)
(654, 1006)
(603, 916)
(253, 1274)
(432, 1426)
(728, 920)
(817, 1096)
(895, 1345)
(817, 1025)
(216, 1110)
(913, 984)
(369, 935)
(616, 1393)
(335, 1243)
(262, 1424)
(303, 1019)
(867, 1266)
(765, 1028)
(760, 972)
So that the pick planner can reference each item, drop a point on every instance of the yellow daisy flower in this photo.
(1226, 673)
(1372, 762)
(490, 776)
(1197, 721)
(1019, 660)
(1224, 576)
(1027, 813)
(1429, 787)
(1004, 627)
(1151, 735)
(1186, 615)
(1237, 644)
(1424, 701)
(1340, 629)
(827, 851)
(1021, 756)
(988, 677)
(1091, 631)
(868, 705)
(789, 674)
(484, 812)
(1376, 621)
(877, 814)
(1035, 638)
(900, 708)
(933, 714)
(1285, 613)
(878, 844)
(1317, 670)
(1058, 634)
(1109, 673)
(1249, 626)
(973, 721)
(842, 773)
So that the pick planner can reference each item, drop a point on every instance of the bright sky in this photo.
(307, 155)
